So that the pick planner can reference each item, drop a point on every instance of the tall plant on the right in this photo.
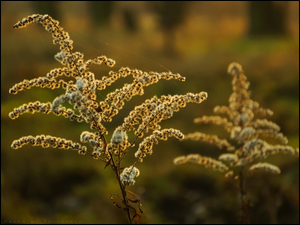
(246, 148)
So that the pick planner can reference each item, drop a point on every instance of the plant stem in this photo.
(123, 190)
(245, 204)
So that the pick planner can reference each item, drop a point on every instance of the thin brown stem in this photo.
(245, 203)
(123, 190)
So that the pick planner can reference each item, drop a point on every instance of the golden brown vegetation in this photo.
(81, 92)
(246, 146)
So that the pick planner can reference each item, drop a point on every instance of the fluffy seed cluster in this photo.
(145, 147)
(264, 167)
(47, 141)
(128, 175)
(246, 142)
(202, 160)
(80, 92)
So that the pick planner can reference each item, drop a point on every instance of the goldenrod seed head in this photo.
(80, 84)
(234, 68)
(179, 160)
(227, 157)
(128, 175)
(119, 136)
(267, 167)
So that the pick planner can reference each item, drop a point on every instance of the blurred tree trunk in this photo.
(130, 20)
(268, 18)
(170, 14)
(100, 11)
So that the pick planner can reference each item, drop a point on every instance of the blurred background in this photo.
(196, 39)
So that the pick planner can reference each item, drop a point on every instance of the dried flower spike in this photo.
(80, 93)
(246, 132)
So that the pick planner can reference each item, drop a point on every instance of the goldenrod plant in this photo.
(246, 147)
(81, 89)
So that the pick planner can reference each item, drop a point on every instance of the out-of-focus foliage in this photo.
(268, 18)
(55, 186)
